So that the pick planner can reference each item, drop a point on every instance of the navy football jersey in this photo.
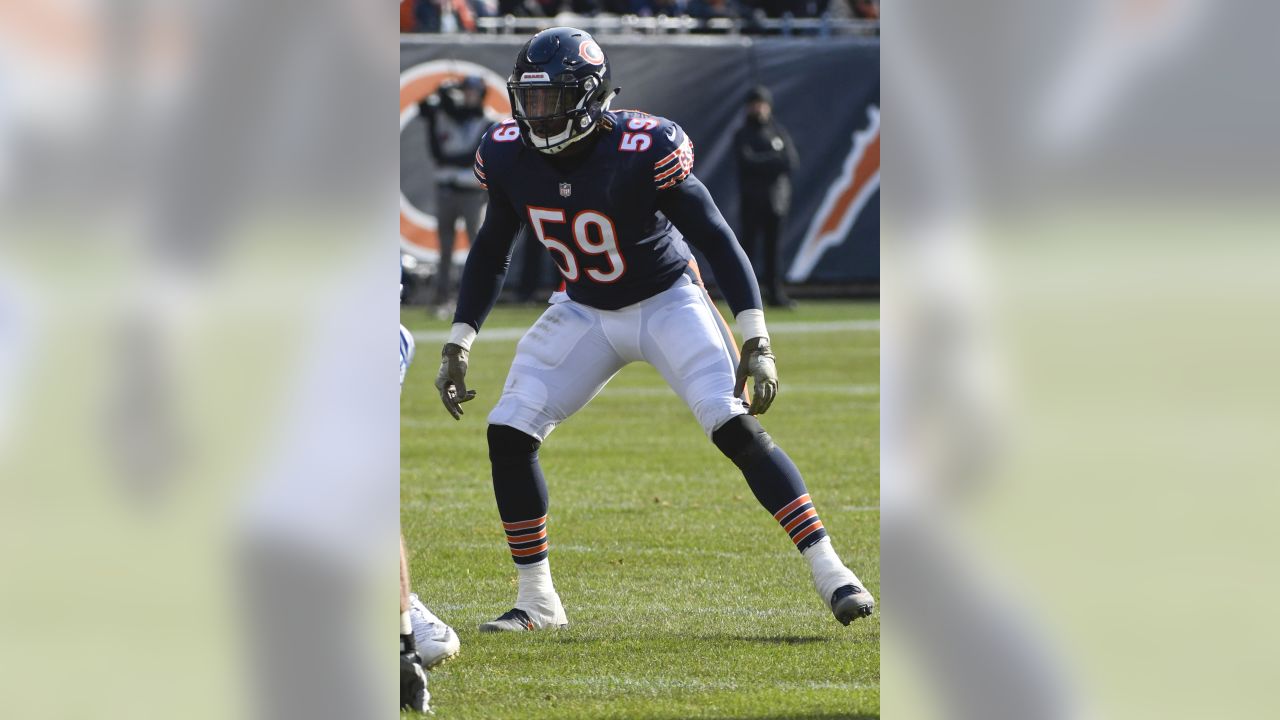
(599, 220)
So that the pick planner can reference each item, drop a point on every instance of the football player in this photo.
(612, 196)
(425, 641)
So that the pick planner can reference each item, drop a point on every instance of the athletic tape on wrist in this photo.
(462, 334)
(751, 324)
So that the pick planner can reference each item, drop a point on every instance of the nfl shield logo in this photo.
(566, 189)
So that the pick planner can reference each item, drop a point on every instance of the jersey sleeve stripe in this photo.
(478, 170)
(674, 169)
(672, 162)
(686, 146)
(674, 153)
(675, 179)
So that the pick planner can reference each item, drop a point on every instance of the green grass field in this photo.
(685, 598)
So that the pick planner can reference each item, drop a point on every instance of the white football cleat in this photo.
(540, 616)
(836, 584)
(437, 642)
(850, 602)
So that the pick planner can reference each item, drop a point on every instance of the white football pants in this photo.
(573, 350)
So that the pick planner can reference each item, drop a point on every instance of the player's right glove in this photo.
(413, 678)
(452, 380)
(756, 362)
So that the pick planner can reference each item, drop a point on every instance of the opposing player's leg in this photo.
(690, 345)
(561, 363)
(413, 674)
(435, 640)
(428, 635)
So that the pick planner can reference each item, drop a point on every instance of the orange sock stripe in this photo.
(810, 513)
(524, 524)
(526, 538)
(529, 551)
(791, 506)
(807, 532)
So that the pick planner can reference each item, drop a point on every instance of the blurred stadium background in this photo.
(825, 83)
(755, 17)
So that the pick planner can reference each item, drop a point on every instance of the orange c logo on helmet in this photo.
(591, 52)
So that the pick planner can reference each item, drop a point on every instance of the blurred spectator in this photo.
(426, 15)
(865, 9)
(766, 157)
(408, 21)
(707, 9)
(455, 123)
(460, 15)
(615, 7)
(521, 8)
(445, 15)
(584, 7)
(547, 8)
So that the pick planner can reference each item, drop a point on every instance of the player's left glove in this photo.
(452, 380)
(756, 362)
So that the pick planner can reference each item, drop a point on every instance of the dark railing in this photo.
(663, 25)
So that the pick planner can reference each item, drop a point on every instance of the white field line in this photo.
(782, 328)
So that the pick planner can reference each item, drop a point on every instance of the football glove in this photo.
(452, 380)
(413, 678)
(756, 362)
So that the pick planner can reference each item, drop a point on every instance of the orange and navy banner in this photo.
(826, 94)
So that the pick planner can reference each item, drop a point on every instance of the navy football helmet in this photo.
(559, 89)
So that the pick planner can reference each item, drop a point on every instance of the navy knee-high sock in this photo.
(521, 492)
(774, 479)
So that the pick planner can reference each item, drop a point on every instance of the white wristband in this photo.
(751, 324)
(462, 334)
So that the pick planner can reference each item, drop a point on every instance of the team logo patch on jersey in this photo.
(566, 189)
(591, 52)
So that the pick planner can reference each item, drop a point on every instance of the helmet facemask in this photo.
(554, 115)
